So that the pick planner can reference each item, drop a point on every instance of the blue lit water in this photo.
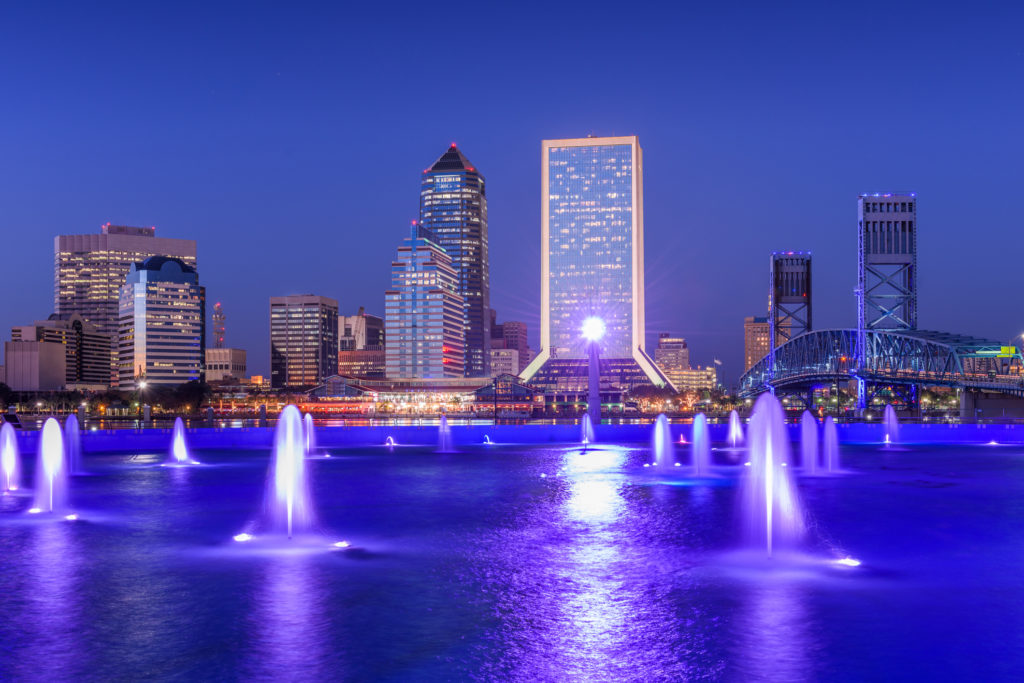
(472, 565)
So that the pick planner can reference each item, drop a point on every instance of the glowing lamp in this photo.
(593, 329)
(342, 544)
(242, 538)
(848, 562)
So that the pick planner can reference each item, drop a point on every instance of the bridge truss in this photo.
(890, 357)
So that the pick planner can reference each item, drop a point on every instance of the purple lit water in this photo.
(479, 568)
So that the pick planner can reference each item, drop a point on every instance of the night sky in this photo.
(289, 142)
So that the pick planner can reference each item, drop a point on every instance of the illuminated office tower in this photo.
(303, 340)
(756, 333)
(592, 264)
(672, 357)
(90, 269)
(423, 312)
(453, 207)
(161, 337)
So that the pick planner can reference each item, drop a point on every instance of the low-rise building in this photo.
(35, 365)
(222, 364)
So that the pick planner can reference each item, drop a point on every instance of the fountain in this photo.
(444, 436)
(735, 430)
(51, 472)
(73, 445)
(179, 447)
(586, 430)
(831, 445)
(10, 459)
(661, 443)
(809, 443)
(770, 505)
(701, 449)
(487, 440)
(310, 433)
(289, 508)
(390, 441)
(891, 425)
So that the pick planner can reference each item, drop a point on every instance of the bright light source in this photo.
(242, 538)
(35, 511)
(593, 328)
(342, 544)
(72, 517)
(848, 562)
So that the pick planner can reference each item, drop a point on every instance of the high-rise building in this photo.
(219, 327)
(592, 263)
(361, 331)
(673, 357)
(453, 206)
(89, 271)
(363, 363)
(86, 349)
(162, 310)
(789, 297)
(697, 379)
(755, 340)
(225, 363)
(303, 340)
(423, 312)
(504, 362)
(887, 268)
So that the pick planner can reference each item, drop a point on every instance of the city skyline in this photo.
(744, 141)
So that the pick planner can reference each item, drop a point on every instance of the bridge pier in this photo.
(976, 404)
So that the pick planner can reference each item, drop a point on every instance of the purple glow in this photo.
(51, 473)
(10, 458)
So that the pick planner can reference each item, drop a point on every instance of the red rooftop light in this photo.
(453, 144)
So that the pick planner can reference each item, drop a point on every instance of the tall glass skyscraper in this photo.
(592, 262)
(423, 312)
(453, 207)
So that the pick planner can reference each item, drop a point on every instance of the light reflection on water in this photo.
(290, 621)
(773, 633)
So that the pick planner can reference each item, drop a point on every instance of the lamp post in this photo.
(593, 330)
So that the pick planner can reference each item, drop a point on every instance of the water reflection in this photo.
(50, 622)
(774, 638)
(290, 624)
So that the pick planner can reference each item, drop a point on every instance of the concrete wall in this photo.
(35, 365)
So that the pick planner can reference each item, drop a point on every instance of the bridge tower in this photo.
(789, 299)
(886, 269)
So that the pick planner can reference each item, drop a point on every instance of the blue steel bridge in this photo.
(909, 358)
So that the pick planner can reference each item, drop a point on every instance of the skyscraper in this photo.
(423, 312)
(453, 207)
(161, 337)
(303, 340)
(90, 269)
(756, 334)
(592, 263)
(673, 357)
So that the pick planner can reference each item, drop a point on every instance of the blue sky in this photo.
(289, 139)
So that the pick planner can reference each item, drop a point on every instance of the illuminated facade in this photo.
(423, 312)
(303, 340)
(672, 357)
(453, 207)
(161, 336)
(87, 350)
(756, 334)
(90, 269)
(592, 262)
